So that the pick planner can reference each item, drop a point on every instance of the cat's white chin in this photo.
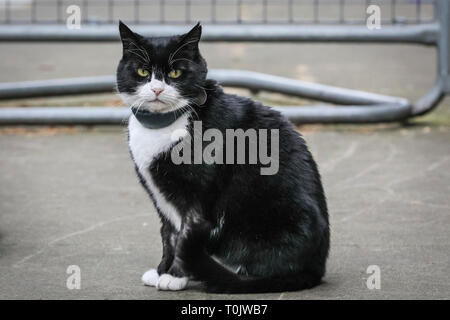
(163, 107)
(156, 106)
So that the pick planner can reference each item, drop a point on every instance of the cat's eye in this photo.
(175, 73)
(143, 72)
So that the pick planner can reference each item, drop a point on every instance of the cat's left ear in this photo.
(192, 38)
(128, 37)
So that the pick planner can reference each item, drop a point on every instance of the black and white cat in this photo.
(227, 225)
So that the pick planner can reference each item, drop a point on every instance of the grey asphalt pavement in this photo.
(70, 197)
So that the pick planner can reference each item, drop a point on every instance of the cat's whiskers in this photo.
(178, 110)
(183, 109)
(204, 88)
(179, 59)
(172, 55)
(138, 55)
(137, 46)
(140, 105)
(145, 56)
(139, 101)
(191, 108)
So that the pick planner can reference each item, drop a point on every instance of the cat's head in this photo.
(161, 74)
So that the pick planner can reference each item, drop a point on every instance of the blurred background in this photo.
(69, 195)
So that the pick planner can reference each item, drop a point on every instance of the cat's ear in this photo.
(128, 37)
(192, 38)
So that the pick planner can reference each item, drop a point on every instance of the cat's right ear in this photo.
(128, 37)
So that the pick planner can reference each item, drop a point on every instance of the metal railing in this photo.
(428, 23)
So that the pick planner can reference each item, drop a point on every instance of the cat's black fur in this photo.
(275, 227)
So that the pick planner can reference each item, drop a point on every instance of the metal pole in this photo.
(259, 81)
(28, 89)
(233, 78)
(63, 115)
(111, 115)
(347, 114)
(426, 34)
(442, 85)
(444, 44)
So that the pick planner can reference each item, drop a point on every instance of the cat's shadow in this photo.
(324, 286)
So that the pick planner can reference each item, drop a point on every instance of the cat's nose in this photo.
(157, 91)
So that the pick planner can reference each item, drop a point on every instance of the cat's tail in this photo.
(219, 279)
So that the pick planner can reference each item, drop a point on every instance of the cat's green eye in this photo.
(175, 73)
(143, 72)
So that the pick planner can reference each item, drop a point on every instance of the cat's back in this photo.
(230, 111)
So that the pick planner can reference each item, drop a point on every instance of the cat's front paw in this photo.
(169, 282)
(150, 278)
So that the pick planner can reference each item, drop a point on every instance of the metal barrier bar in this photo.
(231, 78)
(320, 92)
(444, 45)
(429, 101)
(63, 115)
(426, 34)
(347, 114)
(442, 85)
(29, 89)
(110, 115)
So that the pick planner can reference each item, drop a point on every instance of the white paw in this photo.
(150, 278)
(168, 282)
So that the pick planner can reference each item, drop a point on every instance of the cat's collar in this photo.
(155, 120)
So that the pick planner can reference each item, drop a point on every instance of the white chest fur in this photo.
(145, 144)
